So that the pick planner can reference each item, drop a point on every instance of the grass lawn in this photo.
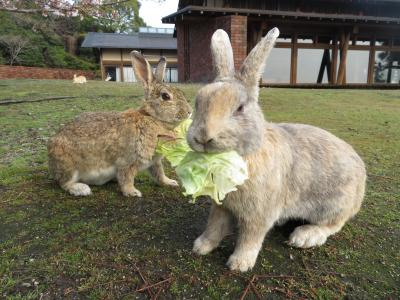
(53, 245)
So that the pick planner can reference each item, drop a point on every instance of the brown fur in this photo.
(100, 146)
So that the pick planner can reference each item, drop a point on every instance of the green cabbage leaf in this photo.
(174, 151)
(203, 174)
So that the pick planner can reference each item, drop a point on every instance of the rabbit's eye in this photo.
(165, 96)
(240, 109)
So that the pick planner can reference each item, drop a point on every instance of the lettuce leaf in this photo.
(203, 174)
(174, 151)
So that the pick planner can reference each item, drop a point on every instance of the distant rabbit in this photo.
(79, 79)
(296, 171)
(100, 146)
(108, 78)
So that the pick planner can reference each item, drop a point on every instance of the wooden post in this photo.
(255, 37)
(103, 71)
(255, 34)
(371, 63)
(334, 61)
(389, 76)
(341, 78)
(263, 28)
(186, 53)
(121, 67)
(293, 60)
(340, 69)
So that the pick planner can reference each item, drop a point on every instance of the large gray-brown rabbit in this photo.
(100, 146)
(295, 171)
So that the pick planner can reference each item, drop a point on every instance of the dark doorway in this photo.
(111, 71)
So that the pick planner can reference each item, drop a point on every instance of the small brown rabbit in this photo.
(100, 146)
(295, 171)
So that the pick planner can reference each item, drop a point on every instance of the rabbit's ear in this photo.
(254, 64)
(222, 54)
(142, 69)
(160, 70)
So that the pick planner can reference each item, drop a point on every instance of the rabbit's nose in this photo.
(197, 141)
(204, 141)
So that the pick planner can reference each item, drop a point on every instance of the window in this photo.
(171, 75)
(305, 41)
(363, 43)
(357, 66)
(387, 67)
(129, 75)
(277, 69)
(118, 74)
(286, 39)
(308, 65)
(174, 75)
(381, 42)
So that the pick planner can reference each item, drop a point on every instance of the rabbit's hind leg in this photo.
(307, 236)
(74, 187)
(331, 217)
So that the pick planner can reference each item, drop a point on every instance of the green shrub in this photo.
(57, 57)
(32, 56)
(97, 73)
(46, 45)
(50, 36)
(87, 54)
(77, 63)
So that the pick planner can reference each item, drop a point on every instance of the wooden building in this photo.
(115, 51)
(322, 42)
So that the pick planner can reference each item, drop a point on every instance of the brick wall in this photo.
(194, 55)
(201, 68)
(183, 64)
(239, 39)
(8, 72)
(194, 38)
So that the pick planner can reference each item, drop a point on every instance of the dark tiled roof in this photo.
(130, 41)
(183, 3)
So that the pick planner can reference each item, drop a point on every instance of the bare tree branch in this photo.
(14, 45)
(22, 10)
(60, 7)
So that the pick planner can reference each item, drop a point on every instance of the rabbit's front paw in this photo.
(243, 262)
(307, 236)
(131, 192)
(202, 246)
(170, 182)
